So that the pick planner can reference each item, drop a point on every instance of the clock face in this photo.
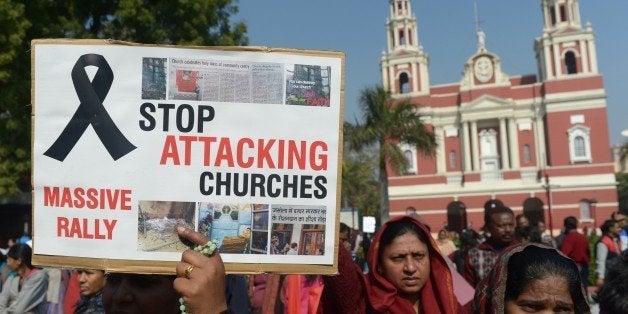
(483, 69)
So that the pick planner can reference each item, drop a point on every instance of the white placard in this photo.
(368, 224)
(131, 141)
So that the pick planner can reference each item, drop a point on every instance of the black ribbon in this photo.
(91, 111)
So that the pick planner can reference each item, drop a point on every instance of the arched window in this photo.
(585, 209)
(408, 153)
(563, 13)
(579, 144)
(402, 38)
(553, 15)
(570, 62)
(579, 147)
(404, 83)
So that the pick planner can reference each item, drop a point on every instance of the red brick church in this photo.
(537, 142)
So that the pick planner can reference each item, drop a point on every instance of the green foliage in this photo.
(593, 240)
(190, 22)
(387, 123)
(14, 112)
(185, 22)
(622, 191)
(359, 183)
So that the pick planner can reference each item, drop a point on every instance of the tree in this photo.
(622, 191)
(386, 124)
(14, 112)
(192, 22)
(359, 181)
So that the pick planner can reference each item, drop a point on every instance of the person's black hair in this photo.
(497, 210)
(343, 227)
(535, 235)
(613, 295)
(519, 216)
(607, 225)
(570, 223)
(469, 238)
(536, 263)
(529, 233)
(489, 207)
(21, 251)
(397, 229)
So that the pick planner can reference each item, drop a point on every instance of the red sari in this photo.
(375, 294)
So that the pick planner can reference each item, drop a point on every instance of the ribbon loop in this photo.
(91, 111)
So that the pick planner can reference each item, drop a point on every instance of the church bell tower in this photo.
(566, 48)
(404, 64)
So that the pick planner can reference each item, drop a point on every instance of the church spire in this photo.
(481, 36)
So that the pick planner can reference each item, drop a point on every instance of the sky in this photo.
(447, 33)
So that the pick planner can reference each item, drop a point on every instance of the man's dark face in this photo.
(614, 230)
(621, 220)
(502, 228)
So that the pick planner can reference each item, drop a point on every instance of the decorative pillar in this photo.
(558, 62)
(466, 145)
(385, 70)
(513, 140)
(592, 56)
(440, 150)
(503, 142)
(475, 151)
(391, 79)
(584, 57)
(395, 29)
(415, 79)
(540, 131)
(548, 68)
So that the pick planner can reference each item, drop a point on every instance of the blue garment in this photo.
(24, 239)
(90, 305)
(584, 277)
(236, 290)
(623, 239)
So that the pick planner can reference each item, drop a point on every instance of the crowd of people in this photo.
(508, 267)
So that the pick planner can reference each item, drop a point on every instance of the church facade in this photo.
(539, 143)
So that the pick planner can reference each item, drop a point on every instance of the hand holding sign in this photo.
(201, 278)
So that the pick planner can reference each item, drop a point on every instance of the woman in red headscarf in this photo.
(407, 275)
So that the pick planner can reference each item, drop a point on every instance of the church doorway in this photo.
(456, 216)
(533, 210)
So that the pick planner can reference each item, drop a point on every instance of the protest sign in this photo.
(130, 141)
